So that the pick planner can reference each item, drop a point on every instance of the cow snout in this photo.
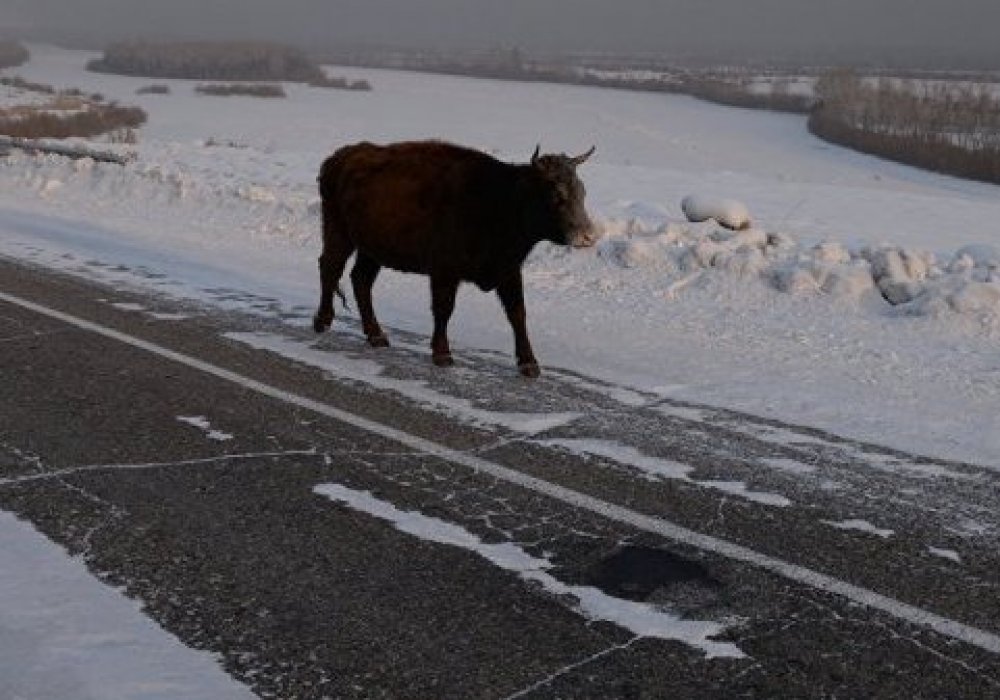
(584, 235)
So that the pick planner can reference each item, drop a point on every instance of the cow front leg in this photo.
(511, 293)
(363, 276)
(443, 291)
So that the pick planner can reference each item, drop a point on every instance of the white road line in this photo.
(664, 528)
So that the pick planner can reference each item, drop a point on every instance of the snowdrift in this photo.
(911, 282)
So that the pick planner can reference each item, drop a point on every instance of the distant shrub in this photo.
(213, 142)
(126, 135)
(22, 84)
(12, 54)
(340, 84)
(241, 89)
(153, 90)
(93, 121)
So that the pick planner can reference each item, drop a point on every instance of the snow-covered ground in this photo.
(789, 319)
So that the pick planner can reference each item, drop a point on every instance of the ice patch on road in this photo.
(133, 307)
(949, 554)
(371, 373)
(63, 634)
(127, 306)
(656, 468)
(623, 395)
(790, 466)
(860, 526)
(689, 413)
(639, 618)
(202, 423)
(895, 465)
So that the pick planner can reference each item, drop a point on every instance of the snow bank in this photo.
(233, 187)
(910, 282)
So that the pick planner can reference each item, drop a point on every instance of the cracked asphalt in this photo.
(226, 544)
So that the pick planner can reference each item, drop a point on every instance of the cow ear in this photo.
(534, 156)
(581, 159)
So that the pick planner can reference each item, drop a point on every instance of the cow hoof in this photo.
(443, 360)
(378, 341)
(529, 369)
(321, 324)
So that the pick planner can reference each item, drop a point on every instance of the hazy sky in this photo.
(930, 28)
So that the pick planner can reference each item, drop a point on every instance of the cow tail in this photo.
(327, 179)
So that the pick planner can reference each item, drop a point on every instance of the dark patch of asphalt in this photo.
(228, 547)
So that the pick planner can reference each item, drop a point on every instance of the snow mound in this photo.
(905, 281)
(899, 273)
(161, 185)
(727, 212)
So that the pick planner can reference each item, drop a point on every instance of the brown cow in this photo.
(453, 213)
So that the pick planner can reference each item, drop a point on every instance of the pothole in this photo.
(637, 572)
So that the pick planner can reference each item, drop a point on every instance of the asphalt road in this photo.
(235, 541)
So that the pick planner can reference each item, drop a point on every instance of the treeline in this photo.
(232, 60)
(513, 64)
(948, 128)
(12, 54)
(740, 93)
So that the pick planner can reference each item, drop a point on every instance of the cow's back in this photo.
(425, 207)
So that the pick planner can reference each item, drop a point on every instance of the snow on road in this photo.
(64, 634)
(642, 619)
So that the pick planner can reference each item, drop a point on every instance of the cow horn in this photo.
(534, 156)
(579, 160)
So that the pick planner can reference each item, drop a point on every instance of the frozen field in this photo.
(222, 195)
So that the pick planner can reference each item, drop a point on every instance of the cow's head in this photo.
(566, 194)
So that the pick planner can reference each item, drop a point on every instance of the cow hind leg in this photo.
(511, 293)
(336, 251)
(443, 292)
(363, 276)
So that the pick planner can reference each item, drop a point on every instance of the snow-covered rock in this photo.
(727, 212)
(979, 262)
(899, 273)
